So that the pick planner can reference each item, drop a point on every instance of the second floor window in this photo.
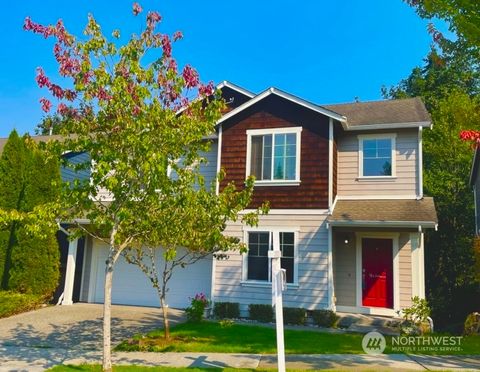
(377, 156)
(273, 154)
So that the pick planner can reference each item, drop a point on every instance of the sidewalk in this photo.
(14, 358)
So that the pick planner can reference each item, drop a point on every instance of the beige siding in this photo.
(344, 269)
(405, 182)
(405, 270)
(312, 289)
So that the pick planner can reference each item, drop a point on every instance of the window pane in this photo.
(279, 168)
(377, 167)
(267, 158)
(287, 264)
(291, 150)
(257, 268)
(256, 157)
(258, 245)
(290, 168)
(287, 238)
(369, 144)
(377, 157)
(291, 139)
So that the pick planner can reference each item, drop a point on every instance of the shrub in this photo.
(12, 303)
(416, 317)
(294, 315)
(324, 318)
(226, 310)
(472, 324)
(262, 313)
(197, 307)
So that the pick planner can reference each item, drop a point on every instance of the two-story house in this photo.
(344, 183)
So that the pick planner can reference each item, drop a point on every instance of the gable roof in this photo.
(227, 84)
(408, 112)
(287, 96)
(387, 212)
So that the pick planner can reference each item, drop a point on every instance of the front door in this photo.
(377, 272)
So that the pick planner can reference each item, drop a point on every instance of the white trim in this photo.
(219, 158)
(273, 131)
(415, 269)
(288, 212)
(212, 286)
(330, 163)
(360, 127)
(361, 138)
(420, 162)
(331, 289)
(376, 178)
(376, 197)
(262, 284)
(396, 271)
(271, 230)
(235, 87)
(288, 97)
(70, 272)
(358, 223)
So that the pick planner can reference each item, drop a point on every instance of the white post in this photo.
(277, 288)
(70, 272)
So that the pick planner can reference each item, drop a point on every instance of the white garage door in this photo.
(131, 286)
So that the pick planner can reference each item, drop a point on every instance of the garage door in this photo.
(131, 286)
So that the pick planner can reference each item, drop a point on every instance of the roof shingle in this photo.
(409, 212)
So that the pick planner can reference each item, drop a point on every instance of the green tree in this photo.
(449, 84)
(136, 115)
(30, 262)
(463, 16)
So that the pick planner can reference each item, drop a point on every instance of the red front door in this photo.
(377, 273)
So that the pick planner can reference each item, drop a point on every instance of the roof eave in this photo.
(235, 87)
(360, 223)
(418, 124)
(286, 96)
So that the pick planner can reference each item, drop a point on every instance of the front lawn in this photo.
(237, 338)
(12, 303)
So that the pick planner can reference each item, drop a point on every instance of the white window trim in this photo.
(275, 230)
(392, 138)
(273, 131)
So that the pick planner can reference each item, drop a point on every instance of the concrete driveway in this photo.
(78, 326)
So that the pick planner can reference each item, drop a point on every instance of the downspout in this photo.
(420, 163)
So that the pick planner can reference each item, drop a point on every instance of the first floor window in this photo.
(258, 263)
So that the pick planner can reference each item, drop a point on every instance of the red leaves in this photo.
(41, 78)
(471, 135)
(190, 76)
(436, 35)
(152, 19)
(137, 9)
(177, 35)
(46, 104)
(206, 89)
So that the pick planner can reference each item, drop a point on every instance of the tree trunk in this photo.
(107, 313)
(166, 324)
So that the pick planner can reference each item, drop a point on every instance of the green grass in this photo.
(212, 337)
(237, 338)
(12, 303)
(132, 368)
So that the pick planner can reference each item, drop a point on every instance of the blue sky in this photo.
(322, 51)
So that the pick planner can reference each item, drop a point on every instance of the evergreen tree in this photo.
(29, 264)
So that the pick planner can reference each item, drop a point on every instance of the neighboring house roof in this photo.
(383, 114)
(388, 212)
(284, 95)
(38, 139)
(474, 171)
